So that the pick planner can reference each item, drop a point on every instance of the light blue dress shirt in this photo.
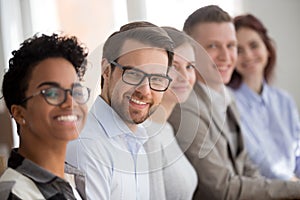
(112, 157)
(271, 130)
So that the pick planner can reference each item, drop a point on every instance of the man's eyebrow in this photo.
(49, 83)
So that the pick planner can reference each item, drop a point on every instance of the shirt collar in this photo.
(252, 97)
(113, 124)
(137, 139)
(265, 92)
(34, 171)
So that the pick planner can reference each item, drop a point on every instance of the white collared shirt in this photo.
(113, 158)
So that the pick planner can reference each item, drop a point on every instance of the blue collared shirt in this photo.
(112, 157)
(271, 130)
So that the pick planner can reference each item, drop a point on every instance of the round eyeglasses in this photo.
(134, 76)
(56, 96)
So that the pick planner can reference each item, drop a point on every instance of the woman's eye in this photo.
(52, 93)
(77, 93)
(254, 46)
(190, 67)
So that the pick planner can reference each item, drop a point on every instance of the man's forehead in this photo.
(206, 29)
(132, 45)
(137, 53)
(148, 60)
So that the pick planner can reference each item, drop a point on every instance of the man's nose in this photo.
(224, 54)
(144, 87)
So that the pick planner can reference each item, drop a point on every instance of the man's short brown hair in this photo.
(211, 13)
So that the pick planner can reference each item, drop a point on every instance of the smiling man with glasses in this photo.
(112, 149)
(133, 76)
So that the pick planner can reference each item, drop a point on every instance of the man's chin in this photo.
(139, 119)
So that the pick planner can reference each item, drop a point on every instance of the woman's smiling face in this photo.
(182, 73)
(48, 122)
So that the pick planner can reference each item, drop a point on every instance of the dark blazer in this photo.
(218, 154)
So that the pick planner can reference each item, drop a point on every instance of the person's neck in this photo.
(132, 127)
(49, 157)
(254, 83)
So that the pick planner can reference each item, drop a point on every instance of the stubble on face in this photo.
(134, 104)
(132, 114)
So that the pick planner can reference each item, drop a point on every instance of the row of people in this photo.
(225, 169)
(127, 149)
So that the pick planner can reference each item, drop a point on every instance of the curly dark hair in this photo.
(31, 52)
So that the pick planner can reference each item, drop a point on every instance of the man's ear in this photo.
(17, 112)
(106, 69)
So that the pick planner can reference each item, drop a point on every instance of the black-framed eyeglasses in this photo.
(56, 96)
(134, 76)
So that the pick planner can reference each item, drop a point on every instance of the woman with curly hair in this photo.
(43, 94)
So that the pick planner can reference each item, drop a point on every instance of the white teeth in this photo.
(68, 118)
(222, 68)
(138, 102)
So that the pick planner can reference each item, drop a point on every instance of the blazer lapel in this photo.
(236, 117)
(217, 119)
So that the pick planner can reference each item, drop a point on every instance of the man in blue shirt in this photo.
(111, 148)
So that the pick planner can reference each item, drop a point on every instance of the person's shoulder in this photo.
(6, 189)
(280, 94)
(197, 100)
(13, 183)
(92, 128)
(10, 175)
(166, 134)
(70, 169)
(240, 94)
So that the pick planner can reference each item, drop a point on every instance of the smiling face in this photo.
(252, 53)
(134, 104)
(44, 122)
(219, 40)
(182, 73)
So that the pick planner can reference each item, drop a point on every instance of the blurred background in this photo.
(92, 21)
